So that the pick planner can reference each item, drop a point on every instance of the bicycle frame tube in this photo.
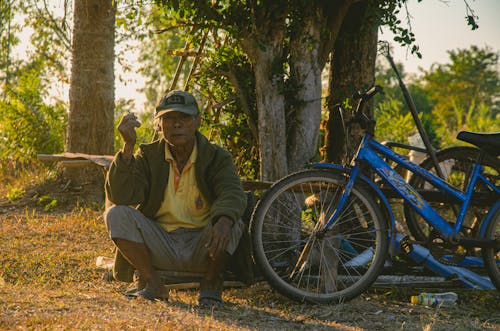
(368, 152)
(462, 197)
(488, 218)
(487, 182)
(405, 163)
(345, 195)
(374, 187)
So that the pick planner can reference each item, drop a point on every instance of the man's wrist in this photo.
(225, 219)
(127, 152)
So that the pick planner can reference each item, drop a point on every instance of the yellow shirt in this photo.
(183, 205)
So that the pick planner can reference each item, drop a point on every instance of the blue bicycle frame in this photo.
(369, 151)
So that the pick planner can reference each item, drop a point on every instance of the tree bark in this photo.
(271, 115)
(263, 44)
(304, 114)
(352, 68)
(92, 78)
(316, 29)
(91, 94)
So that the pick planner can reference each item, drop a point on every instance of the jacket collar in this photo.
(206, 150)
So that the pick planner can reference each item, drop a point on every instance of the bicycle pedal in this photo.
(406, 245)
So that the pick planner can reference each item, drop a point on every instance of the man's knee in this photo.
(117, 214)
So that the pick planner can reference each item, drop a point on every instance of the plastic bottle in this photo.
(435, 299)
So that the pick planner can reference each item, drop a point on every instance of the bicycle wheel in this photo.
(491, 256)
(305, 264)
(457, 164)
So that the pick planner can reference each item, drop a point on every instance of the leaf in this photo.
(472, 22)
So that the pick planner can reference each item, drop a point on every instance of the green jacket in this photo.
(142, 183)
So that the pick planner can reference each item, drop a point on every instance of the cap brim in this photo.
(181, 109)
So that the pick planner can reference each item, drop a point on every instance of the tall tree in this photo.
(352, 68)
(90, 122)
(262, 40)
(314, 29)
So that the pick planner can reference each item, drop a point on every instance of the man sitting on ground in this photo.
(187, 198)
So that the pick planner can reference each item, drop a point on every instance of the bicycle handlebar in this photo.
(359, 117)
(368, 94)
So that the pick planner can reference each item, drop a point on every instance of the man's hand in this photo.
(219, 239)
(126, 127)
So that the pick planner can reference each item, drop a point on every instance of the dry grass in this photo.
(49, 281)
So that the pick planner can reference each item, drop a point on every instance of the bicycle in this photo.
(322, 235)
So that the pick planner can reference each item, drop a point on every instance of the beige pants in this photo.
(179, 250)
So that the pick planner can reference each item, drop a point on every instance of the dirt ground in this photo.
(49, 281)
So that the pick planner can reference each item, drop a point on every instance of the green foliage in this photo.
(403, 33)
(15, 193)
(8, 39)
(159, 57)
(227, 119)
(29, 125)
(461, 95)
(471, 78)
(471, 17)
(394, 120)
(47, 202)
(51, 37)
(393, 123)
(465, 93)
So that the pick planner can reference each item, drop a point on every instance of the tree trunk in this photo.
(271, 119)
(315, 29)
(352, 68)
(304, 114)
(263, 44)
(91, 95)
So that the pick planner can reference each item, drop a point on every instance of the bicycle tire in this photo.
(311, 268)
(456, 162)
(491, 256)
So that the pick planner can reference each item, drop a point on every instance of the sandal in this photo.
(211, 295)
(210, 298)
(145, 294)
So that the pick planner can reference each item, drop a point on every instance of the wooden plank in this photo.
(77, 163)
(107, 263)
(250, 185)
(84, 159)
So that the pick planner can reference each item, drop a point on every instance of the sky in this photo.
(440, 26)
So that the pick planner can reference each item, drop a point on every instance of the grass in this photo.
(49, 281)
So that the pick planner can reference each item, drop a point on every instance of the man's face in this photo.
(179, 128)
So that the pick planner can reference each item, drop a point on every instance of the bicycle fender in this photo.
(371, 184)
(487, 219)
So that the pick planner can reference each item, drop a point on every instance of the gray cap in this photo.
(177, 100)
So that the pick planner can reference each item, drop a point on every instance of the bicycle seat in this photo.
(489, 142)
